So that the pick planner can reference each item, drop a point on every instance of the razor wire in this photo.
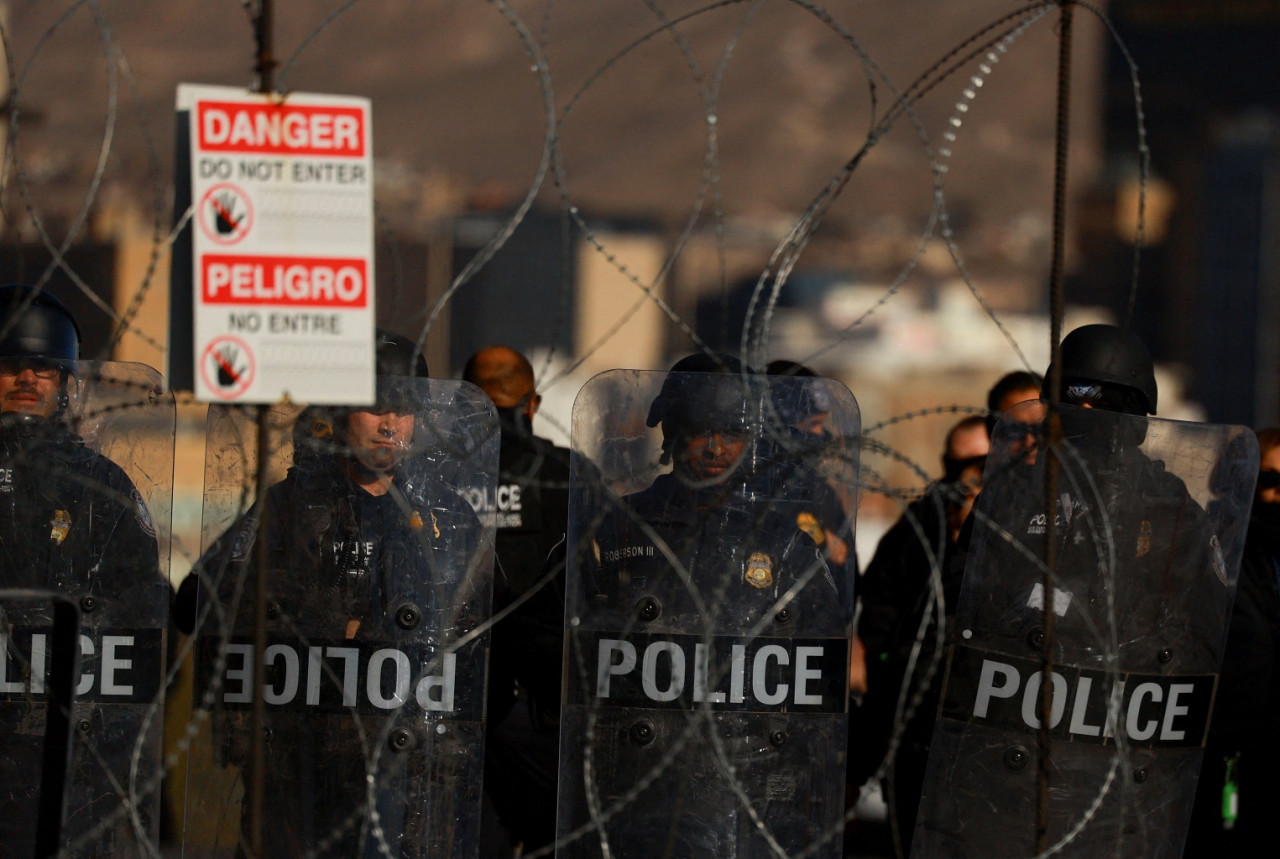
(935, 109)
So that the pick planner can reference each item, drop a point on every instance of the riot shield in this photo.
(81, 494)
(378, 578)
(707, 633)
(1148, 529)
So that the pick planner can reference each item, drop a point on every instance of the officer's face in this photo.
(27, 386)
(1019, 395)
(1030, 415)
(815, 424)
(713, 452)
(968, 485)
(1270, 465)
(969, 442)
(380, 439)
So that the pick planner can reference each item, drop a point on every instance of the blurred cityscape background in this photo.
(688, 142)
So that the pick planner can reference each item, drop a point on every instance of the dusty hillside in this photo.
(460, 111)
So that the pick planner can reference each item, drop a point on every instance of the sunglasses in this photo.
(41, 368)
(1096, 395)
(1269, 480)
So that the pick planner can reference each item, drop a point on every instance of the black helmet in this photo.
(712, 399)
(1111, 356)
(398, 359)
(397, 355)
(34, 324)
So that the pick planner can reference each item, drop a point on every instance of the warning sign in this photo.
(281, 245)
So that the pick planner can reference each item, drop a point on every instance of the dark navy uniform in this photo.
(532, 513)
(729, 540)
(1163, 552)
(742, 556)
(707, 639)
(531, 508)
(894, 593)
(71, 521)
(1242, 755)
(1142, 592)
(357, 583)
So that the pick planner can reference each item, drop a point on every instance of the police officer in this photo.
(532, 510)
(701, 558)
(1010, 389)
(894, 594)
(71, 521)
(824, 508)
(1142, 587)
(374, 566)
(1238, 790)
(711, 436)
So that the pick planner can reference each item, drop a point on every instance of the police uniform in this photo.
(531, 508)
(1238, 791)
(707, 641)
(1135, 553)
(742, 555)
(894, 593)
(368, 578)
(1163, 550)
(72, 522)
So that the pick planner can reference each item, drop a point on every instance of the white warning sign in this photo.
(282, 246)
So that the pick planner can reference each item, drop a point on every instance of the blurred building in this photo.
(1209, 291)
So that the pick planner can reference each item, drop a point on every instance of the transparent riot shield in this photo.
(707, 630)
(1149, 519)
(82, 490)
(371, 672)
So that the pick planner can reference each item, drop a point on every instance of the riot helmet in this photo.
(802, 408)
(398, 360)
(706, 397)
(36, 333)
(34, 324)
(397, 355)
(1107, 367)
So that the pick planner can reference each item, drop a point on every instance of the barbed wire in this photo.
(894, 477)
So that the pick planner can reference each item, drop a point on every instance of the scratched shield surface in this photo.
(86, 496)
(709, 616)
(376, 645)
(1148, 532)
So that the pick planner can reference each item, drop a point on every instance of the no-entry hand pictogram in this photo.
(227, 367)
(225, 213)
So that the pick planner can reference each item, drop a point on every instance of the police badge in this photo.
(759, 570)
(59, 525)
(1144, 539)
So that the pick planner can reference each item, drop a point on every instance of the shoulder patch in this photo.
(1216, 560)
(243, 541)
(142, 515)
(809, 524)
